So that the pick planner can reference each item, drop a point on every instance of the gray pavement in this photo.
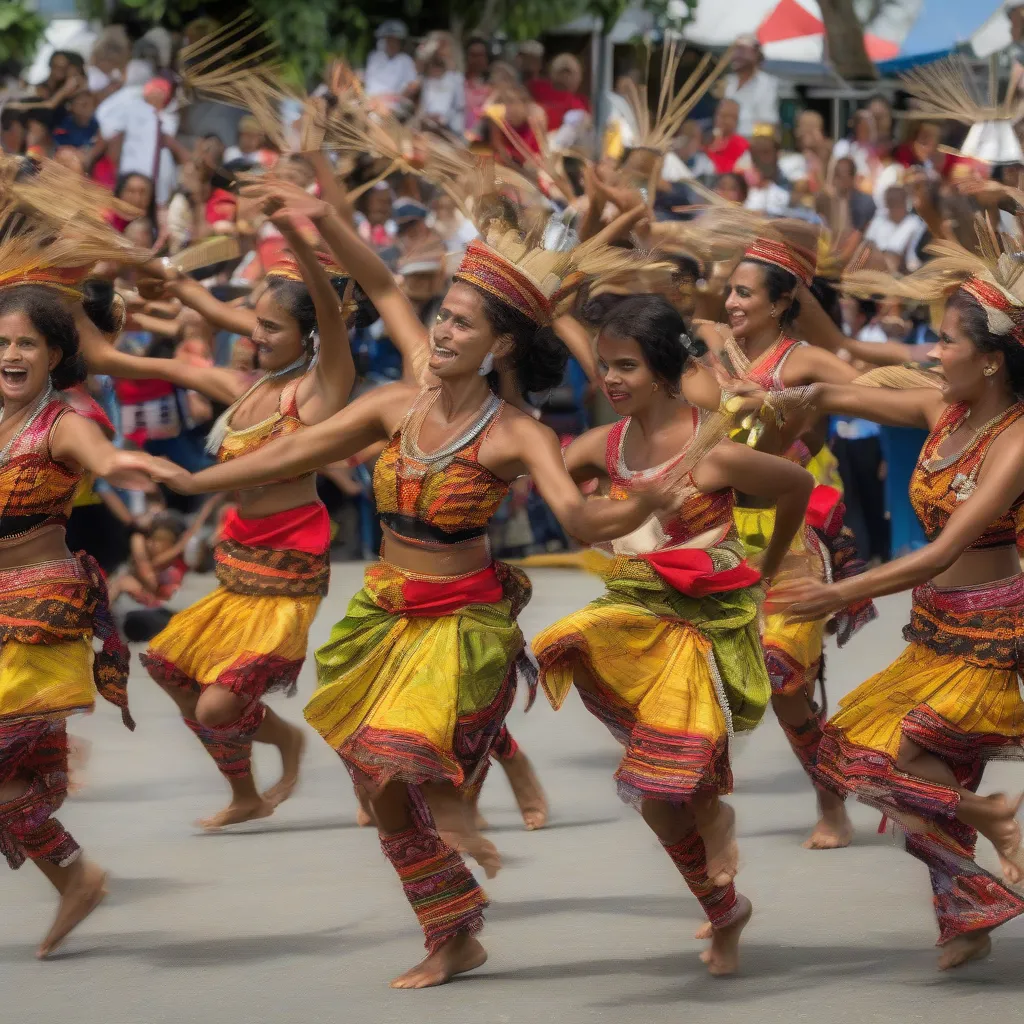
(301, 918)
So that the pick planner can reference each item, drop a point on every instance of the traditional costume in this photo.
(793, 652)
(671, 656)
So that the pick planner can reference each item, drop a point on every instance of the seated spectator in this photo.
(107, 63)
(529, 61)
(896, 232)
(78, 128)
(410, 217)
(755, 91)
(689, 150)
(727, 146)
(442, 91)
(860, 207)
(477, 84)
(859, 145)
(769, 190)
(137, 191)
(422, 274)
(374, 217)
(251, 146)
(561, 93)
(814, 146)
(732, 187)
(922, 148)
(887, 171)
(389, 70)
(515, 110)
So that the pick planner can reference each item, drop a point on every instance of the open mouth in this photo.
(13, 376)
(618, 396)
(441, 353)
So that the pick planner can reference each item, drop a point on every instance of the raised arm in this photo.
(236, 319)
(216, 383)
(1000, 483)
(358, 425)
(576, 339)
(335, 370)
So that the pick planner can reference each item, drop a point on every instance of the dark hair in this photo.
(594, 311)
(868, 309)
(170, 520)
(849, 161)
(655, 325)
(686, 266)
(538, 357)
(54, 322)
(74, 59)
(780, 284)
(98, 303)
(150, 211)
(828, 297)
(974, 322)
(294, 298)
(741, 183)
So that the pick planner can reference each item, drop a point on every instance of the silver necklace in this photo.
(441, 457)
(44, 400)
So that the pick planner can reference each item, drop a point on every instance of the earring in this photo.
(487, 365)
(654, 386)
(989, 370)
(772, 311)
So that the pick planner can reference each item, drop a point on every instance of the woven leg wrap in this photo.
(805, 739)
(443, 894)
(230, 745)
(719, 903)
(504, 747)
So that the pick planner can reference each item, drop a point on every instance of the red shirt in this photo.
(724, 153)
(555, 102)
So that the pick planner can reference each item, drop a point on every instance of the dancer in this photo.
(669, 658)
(762, 307)
(52, 603)
(914, 739)
(416, 680)
(218, 658)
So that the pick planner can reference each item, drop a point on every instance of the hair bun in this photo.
(694, 347)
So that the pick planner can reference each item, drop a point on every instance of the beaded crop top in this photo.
(439, 497)
(698, 513)
(767, 371)
(35, 490)
(235, 443)
(940, 483)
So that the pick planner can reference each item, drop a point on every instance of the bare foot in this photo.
(834, 829)
(86, 887)
(704, 932)
(1005, 835)
(964, 948)
(724, 955)
(292, 750)
(474, 845)
(236, 812)
(457, 956)
(533, 805)
(719, 835)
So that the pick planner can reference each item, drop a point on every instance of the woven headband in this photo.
(66, 280)
(484, 268)
(1004, 317)
(287, 267)
(800, 262)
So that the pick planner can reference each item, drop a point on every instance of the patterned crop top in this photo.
(235, 443)
(35, 490)
(698, 513)
(767, 371)
(940, 483)
(440, 497)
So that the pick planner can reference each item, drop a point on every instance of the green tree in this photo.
(21, 31)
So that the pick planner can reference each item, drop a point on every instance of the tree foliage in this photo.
(21, 31)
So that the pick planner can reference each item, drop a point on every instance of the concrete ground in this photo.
(300, 918)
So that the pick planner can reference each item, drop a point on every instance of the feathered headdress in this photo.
(539, 282)
(993, 276)
(947, 91)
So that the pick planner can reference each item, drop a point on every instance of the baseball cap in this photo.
(393, 28)
(406, 210)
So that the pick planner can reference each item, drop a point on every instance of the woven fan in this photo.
(901, 378)
(216, 61)
(208, 253)
(59, 195)
(545, 161)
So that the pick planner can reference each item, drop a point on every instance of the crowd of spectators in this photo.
(118, 117)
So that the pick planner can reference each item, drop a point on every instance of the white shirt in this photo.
(444, 99)
(858, 153)
(141, 124)
(758, 100)
(900, 239)
(772, 199)
(887, 178)
(388, 76)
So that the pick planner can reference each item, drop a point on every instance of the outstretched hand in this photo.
(281, 200)
(803, 600)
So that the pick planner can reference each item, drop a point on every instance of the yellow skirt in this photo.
(46, 680)
(249, 645)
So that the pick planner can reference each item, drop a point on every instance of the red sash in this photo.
(825, 509)
(306, 528)
(443, 597)
(691, 572)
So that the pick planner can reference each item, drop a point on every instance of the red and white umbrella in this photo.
(794, 31)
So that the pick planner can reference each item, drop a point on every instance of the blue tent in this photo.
(944, 23)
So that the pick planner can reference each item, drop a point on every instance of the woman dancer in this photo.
(762, 307)
(914, 739)
(669, 658)
(416, 680)
(218, 658)
(52, 603)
